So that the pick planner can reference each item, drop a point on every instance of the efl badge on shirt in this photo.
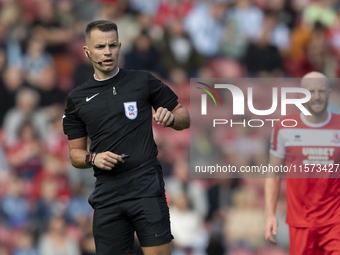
(131, 110)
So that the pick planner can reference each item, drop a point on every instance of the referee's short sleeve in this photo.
(73, 126)
(161, 95)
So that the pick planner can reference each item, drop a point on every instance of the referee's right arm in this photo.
(75, 129)
(78, 151)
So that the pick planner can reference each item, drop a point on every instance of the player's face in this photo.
(104, 47)
(319, 90)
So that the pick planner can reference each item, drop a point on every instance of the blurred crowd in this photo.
(43, 199)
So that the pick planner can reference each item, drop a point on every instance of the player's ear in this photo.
(329, 90)
(302, 95)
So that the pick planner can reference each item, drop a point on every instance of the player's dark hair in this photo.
(101, 25)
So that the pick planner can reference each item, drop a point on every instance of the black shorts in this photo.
(118, 215)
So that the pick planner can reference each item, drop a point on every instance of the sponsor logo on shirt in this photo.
(297, 138)
(336, 137)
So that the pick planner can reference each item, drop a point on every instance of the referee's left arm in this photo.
(177, 119)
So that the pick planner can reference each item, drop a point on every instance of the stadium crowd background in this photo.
(43, 199)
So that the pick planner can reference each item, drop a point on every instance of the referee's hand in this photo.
(107, 160)
(163, 117)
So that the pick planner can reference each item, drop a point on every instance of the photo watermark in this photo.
(238, 123)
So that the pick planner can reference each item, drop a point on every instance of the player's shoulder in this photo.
(335, 116)
(334, 121)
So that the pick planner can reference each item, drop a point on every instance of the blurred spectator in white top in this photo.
(204, 24)
(187, 226)
(25, 109)
(181, 182)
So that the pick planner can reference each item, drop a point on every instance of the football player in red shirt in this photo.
(313, 204)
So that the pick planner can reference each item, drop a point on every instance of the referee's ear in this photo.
(86, 50)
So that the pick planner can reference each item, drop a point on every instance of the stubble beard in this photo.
(318, 113)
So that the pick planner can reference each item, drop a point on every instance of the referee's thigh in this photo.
(112, 231)
(150, 220)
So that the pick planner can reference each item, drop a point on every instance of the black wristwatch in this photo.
(90, 158)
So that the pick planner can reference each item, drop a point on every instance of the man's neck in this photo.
(104, 76)
(315, 119)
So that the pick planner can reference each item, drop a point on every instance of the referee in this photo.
(113, 109)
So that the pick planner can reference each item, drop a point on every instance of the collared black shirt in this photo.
(116, 115)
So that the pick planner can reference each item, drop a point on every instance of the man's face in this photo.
(320, 91)
(104, 47)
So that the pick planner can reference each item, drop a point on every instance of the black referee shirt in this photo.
(116, 115)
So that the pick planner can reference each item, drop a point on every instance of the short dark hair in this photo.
(101, 25)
